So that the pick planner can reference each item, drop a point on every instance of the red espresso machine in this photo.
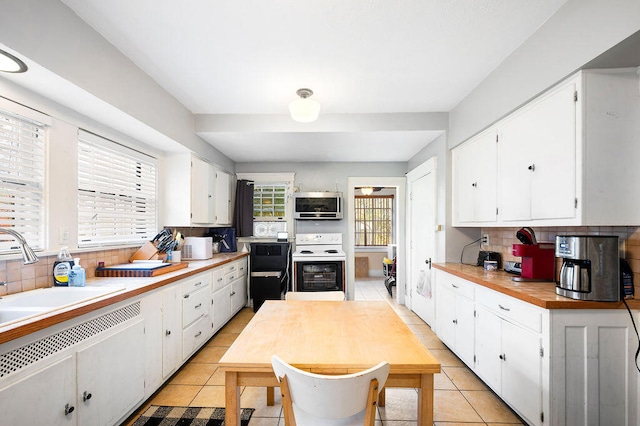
(538, 259)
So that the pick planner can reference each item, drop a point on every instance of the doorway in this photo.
(398, 185)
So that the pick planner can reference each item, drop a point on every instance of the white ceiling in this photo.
(248, 57)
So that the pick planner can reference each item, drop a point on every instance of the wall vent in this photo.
(15, 360)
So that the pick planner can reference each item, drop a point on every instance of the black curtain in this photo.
(243, 212)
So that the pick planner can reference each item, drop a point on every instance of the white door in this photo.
(421, 238)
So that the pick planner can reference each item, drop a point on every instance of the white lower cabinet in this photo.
(171, 330)
(110, 376)
(42, 398)
(455, 315)
(197, 326)
(229, 291)
(508, 359)
(551, 366)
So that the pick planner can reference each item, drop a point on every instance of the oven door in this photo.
(319, 275)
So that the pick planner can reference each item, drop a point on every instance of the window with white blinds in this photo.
(22, 171)
(117, 202)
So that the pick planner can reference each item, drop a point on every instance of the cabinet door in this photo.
(222, 199)
(537, 159)
(445, 316)
(238, 294)
(553, 184)
(171, 329)
(221, 307)
(522, 370)
(475, 171)
(465, 329)
(488, 348)
(40, 399)
(202, 196)
(110, 380)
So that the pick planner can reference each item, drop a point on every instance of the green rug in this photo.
(188, 416)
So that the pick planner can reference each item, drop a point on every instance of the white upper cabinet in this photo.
(474, 179)
(568, 158)
(537, 159)
(197, 193)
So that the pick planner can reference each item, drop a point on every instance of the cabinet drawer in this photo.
(241, 267)
(194, 305)
(195, 335)
(511, 309)
(456, 284)
(218, 278)
(196, 283)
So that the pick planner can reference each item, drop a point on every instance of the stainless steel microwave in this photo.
(317, 205)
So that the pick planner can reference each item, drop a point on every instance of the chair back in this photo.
(324, 399)
(314, 295)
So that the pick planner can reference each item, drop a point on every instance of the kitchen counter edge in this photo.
(134, 286)
(542, 294)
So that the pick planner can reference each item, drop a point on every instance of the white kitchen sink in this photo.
(20, 306)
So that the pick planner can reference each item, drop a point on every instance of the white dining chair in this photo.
(314, 295)
(310, 399)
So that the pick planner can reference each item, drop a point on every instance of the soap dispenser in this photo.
(77, 276)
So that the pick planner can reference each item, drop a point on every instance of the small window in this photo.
(269, 202)
(117, 202)
(373, 220)
(22, 171)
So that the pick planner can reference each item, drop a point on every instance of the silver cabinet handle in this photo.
(454, 286)
(532, 167)
(198, 334)
(186, 296)
(502, 357)
(86, 396)
(197, 306)
(167, 332)
(198, 283)
(455, 321)
(503, 308)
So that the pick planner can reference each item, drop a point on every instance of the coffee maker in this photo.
(590, 267)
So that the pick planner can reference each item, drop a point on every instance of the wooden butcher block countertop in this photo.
(542, 294)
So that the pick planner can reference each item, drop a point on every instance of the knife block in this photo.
(538, 260)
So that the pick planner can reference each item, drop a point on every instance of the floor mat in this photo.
(187, 416)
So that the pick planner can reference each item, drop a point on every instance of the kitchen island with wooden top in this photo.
(554, 360)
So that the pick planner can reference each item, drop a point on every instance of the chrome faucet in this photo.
(27, 252)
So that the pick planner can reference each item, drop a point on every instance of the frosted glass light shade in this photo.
(9, 63)
(304, 109)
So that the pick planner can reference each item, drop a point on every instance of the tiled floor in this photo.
(460, 397)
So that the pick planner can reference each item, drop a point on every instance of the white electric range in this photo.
(318, 262)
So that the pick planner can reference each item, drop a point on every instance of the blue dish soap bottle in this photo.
(77, 276)
(62, 268)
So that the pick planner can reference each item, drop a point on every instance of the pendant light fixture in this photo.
(9, 63)
(304, 109)
(366, 190)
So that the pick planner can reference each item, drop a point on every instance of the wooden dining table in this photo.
(328, 337)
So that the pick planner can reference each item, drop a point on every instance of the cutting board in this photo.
(139, 270)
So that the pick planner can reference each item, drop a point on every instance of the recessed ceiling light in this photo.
(9, 63)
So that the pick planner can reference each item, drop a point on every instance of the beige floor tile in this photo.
(420, 329)
(459, 424)
(257, 398)
(504, 424)
(209, 355)
(209, 396)
(451, 406)
(216, 379)
(446, 358)
(490, 407)
(233, 327)
(411, 319)
(432, 342)
(464, 379)
(397, 423)
(223, 339)
(443, 382)
(400, 404)
(176, 395)
(194, 374)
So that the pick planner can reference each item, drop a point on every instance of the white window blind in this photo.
(117, 202)
(22, 171)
